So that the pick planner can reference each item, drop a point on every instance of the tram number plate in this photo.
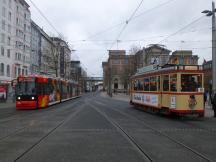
(173, 102)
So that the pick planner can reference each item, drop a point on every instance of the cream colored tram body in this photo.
(172, 89)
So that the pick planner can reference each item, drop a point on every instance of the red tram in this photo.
(38, 91)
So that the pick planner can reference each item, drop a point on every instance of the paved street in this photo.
(96, 127)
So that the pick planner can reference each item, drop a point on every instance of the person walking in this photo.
(214, 104)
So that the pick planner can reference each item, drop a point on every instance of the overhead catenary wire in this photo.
(182, 28)
(41, 13)
(127, 22)
(123, 22)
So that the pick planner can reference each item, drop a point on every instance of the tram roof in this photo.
(51, 77)
(167, 67)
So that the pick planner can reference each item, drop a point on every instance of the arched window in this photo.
(2, 69)
(8, 70)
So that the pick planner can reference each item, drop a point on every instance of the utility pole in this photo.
(110, 78)
(212, 13)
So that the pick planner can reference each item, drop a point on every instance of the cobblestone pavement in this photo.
(96, 127)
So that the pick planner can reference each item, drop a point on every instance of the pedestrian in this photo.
(214, 104)
(205, 97)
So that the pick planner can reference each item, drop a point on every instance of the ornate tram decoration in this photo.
(192, 102)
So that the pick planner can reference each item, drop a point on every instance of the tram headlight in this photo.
(18, 98)
(33, 98)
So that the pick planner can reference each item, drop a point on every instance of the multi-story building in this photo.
(35, 48)
(64, 57)
(153, 54)
(118, 70)
(15, 32)
(75, 71)
(183, 57)
(207, 69)
(156, 54)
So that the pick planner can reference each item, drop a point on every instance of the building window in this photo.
(9, 16)
(2, 69)
(24, 27)
(8, 53)
(117, 61)
(2, 51)
(3, 12)
(25, 16)
(17, 8)
(19, 71)
(17, 21)
(9, 41)
(26, 72)
(9, 28)
(8, 70)
(9, 4)
(3, 24)
(2, 38)
(22, 71)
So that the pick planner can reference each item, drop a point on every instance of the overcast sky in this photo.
(82, 22)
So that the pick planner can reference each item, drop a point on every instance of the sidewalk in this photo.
(209, 113)
(7, 104)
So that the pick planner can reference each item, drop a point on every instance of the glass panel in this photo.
(146, 84)
(165, 83)
(191, 82)
(25, 88)
(153, 84)
(173, 82)
(158, 83)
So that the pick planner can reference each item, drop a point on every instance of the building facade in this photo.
(156, 54)
(183, 57)
(207, 69)
(15, 34)
(63, 56)
(117, 70)
(35, 48)
(153, 54)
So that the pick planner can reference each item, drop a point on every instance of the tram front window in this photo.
(191, 82)
(25, 88)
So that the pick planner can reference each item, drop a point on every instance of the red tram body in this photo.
(38, 91)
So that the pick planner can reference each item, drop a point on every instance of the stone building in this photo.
(117, 70)
(153, 54)
(156, 54)
(35, 47)
(63, 57)
(183, 57)
(207, 68)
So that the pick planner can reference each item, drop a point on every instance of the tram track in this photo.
(129, 138)
(22, 113)
(49, 133)
(160, 133)
(65, 110)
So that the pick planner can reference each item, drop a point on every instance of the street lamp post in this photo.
(212, 14)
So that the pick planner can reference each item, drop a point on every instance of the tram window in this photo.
(140, 85)
(158, 83)
(173, 82)
(135, 84)
(146, 84)
(191, 82)
(166, 83)
(153, 84)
